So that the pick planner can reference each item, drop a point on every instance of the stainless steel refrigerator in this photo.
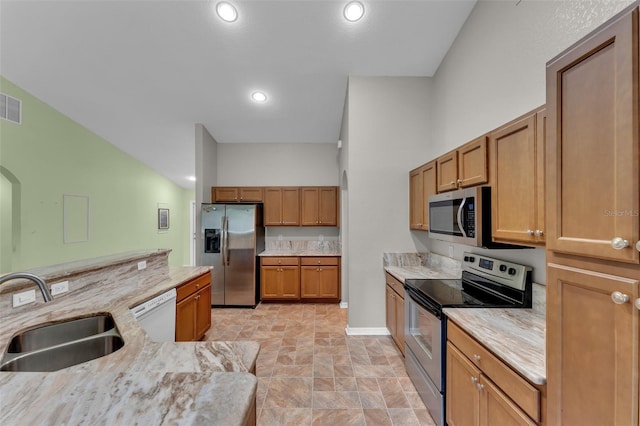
(232, 235)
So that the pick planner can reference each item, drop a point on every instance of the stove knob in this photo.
(503, 268)
(466, 258)
(472, 259)
(512, 271)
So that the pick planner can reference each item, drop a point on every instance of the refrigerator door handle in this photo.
(227, 253)
(223, 244)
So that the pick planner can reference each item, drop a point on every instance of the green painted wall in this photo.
(50, 156)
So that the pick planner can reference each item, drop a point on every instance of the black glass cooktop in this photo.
(462, 293)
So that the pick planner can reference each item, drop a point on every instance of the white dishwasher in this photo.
(158, 317)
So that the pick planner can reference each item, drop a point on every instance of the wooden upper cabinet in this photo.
(593, 154)
(464, 167)
(422, 185)
(281, 206)
(232, 194)
(592, 348)
(319, 206)
(517, 196)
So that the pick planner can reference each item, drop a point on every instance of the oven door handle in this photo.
(459, 217)
(422, 302)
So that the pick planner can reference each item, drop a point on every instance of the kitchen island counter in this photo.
(143, 382)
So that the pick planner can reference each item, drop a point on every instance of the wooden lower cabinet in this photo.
(592, 347)
(193, 309)
(395, 310)
(482, 390)
(307, 279)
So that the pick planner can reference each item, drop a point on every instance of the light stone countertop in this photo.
(517, 336)
(300, 253)
(143, 382)
(403, 273)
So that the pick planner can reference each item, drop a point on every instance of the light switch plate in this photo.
(24, 298)
(59, 288)
(142, 265)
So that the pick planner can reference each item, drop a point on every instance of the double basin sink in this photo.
(56, 346)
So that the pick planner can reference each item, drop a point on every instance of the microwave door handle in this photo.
(460, 224)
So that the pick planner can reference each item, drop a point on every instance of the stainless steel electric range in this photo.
(485, 283)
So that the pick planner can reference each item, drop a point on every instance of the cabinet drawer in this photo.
(517, 388)
(277, 261)
(192, 286)
(313, 261)
(395, 284)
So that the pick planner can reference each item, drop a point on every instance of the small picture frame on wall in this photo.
(163, 218)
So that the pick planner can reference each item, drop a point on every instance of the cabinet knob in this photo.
(619, 243)
(480, 386)
(474, 380)
(476, 357)
(638, 245)
(452, 183)
(197, 286)
(637, 303)
(317, 269)
(459, 181)
(619, 298)
(538, 233)
(529, 232)
(320, 269)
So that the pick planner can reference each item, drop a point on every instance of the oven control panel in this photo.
(507, 273)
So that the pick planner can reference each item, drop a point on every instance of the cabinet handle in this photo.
(453, 183)
(459, 181)
(637, 303)
(197, 286)
(320, 269)
(638, 245)
(619, 243)
(474, 380)
(529, 232)
(480, 386)
(476, 357)
(619, 298)
(317, 269)
(538, 233)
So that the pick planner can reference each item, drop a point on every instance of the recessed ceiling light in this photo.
(353, 11)
(226, 11)
(259, 97)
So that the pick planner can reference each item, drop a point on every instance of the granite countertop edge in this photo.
(300, 253)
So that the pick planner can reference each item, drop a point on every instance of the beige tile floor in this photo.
(310, 372)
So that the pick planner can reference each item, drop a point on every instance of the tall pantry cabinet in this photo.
(593, 227)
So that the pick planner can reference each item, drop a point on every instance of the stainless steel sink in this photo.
(56, 346)
(62, 332)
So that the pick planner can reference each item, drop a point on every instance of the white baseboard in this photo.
(366, 331)
(344, 305)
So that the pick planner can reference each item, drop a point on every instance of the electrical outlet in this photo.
(59, 288)
(24, 298)
(451, 252)
(280, 237)
(142, 265)
(321, 237)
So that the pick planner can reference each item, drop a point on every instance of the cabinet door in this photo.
(251, 194)
(224, 194)
(328, 282)
(309, 281)
(429, 188)
(290, 206)
(185, 320)
(416, 204)
(592, 148)
(289, 282)
(203, 312)
(269, 277)
(273, 198)
(513, 196)
(462, 395)
(592, 348)
(328, 209)
(399, 312)
(391, 311)
(541, 146)
(309, 206)
(497, 409)
(447, 169)
(472, 159)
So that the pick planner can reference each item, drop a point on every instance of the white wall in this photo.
(278, 164)
(495, 71)
(388, 128)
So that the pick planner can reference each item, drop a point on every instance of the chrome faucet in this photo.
(46, 294)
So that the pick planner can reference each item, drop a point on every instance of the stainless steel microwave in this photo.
(462, 216)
